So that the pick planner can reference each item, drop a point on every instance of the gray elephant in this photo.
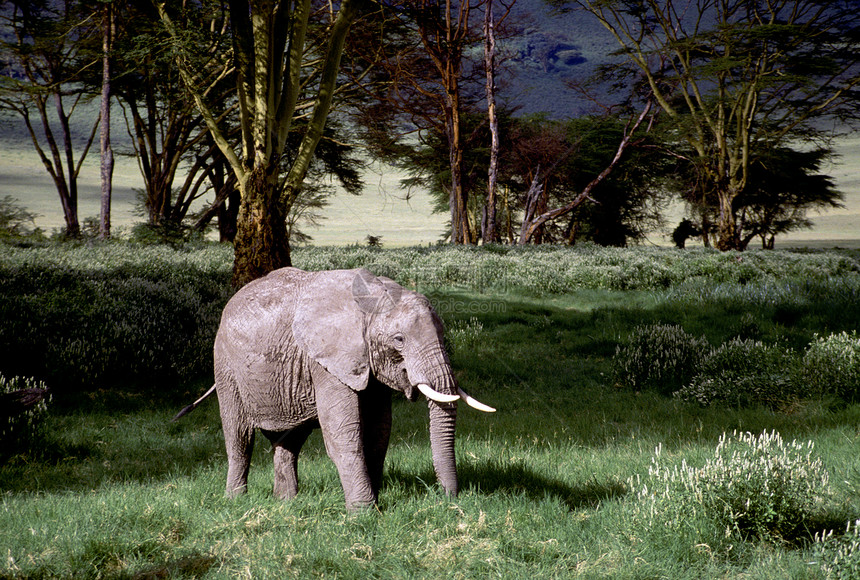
(298, 350)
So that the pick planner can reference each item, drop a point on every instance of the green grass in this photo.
(117, 491)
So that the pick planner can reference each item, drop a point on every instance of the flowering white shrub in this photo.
(464, 335)
(831, 365)
(658, 356)
(754, 486)
(20, 431)
(839, 555)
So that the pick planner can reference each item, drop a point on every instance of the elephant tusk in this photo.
(436, 395)
(475, 403)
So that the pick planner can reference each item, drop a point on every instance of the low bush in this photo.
(839, 554)
(21, 429)
(17, 225)
(658, 357)
(79, 317)
(744, 372)
(831, 365)
(551, 270)
(463, 335)
(754, 487)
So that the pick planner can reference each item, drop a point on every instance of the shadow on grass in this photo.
(515, 479)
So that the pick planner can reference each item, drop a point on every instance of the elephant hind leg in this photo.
(286, 447)
(376, 429)
(240, 444)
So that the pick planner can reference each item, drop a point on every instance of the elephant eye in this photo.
(398, 341)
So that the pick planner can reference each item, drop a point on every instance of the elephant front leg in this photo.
(340, 421)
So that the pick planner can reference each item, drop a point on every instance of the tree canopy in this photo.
(728, 105)
(738, 78)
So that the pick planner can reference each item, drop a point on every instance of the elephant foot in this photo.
(234, 492)
(360, 507)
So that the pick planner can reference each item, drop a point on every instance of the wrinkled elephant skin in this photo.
(296, 350)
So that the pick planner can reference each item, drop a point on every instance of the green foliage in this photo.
(119, 491)
(659, 357)
(16, 223)
(831, 365)
(553, 270)
(744, 372)
(168, 233)
(753, 487)
(22, 429)
(464, 335)
(839, 555)
(79, 317)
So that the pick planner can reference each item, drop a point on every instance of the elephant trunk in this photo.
(443, 418)
(436, 373)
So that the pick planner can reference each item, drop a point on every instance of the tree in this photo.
(489, 228)
(269, 57)
(537, 210)
(738, 78)
(107, 161)
(783, 186)
(44, 61)
(429, 94)
(178, 159)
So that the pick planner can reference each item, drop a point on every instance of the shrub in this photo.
(81, 316)
(22, 426)
(660, 356)
(831, 365)
(839, 555)
(16, 223)
(463, 336)
(744, 372)
(754, 487)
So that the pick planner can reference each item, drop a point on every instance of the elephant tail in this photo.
(193, 405)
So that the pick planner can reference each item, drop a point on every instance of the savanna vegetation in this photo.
(240, 110)
(661, 413)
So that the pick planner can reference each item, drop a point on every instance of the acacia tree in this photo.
(784, 185)
(429, 94)
(445, 33)
(489, 228)
(43, 62)
(738, 77)
(536, 208)
(178, 160)
(107, 160)
(269, 57)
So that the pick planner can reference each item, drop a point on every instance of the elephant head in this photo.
(355, 324)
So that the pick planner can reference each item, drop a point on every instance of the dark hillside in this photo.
(549, 49)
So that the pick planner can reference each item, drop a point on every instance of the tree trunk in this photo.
(104, 136)
(727, 231)
(489, 233)
(261, 242)
(460, 228)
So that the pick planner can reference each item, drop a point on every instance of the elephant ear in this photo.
(329, 321)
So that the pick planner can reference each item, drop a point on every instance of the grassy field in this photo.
(554, 485)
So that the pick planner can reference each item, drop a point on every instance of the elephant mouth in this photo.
(411, 393)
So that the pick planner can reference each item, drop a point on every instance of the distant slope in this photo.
(551, 49)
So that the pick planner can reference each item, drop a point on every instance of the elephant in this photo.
(297, 350)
